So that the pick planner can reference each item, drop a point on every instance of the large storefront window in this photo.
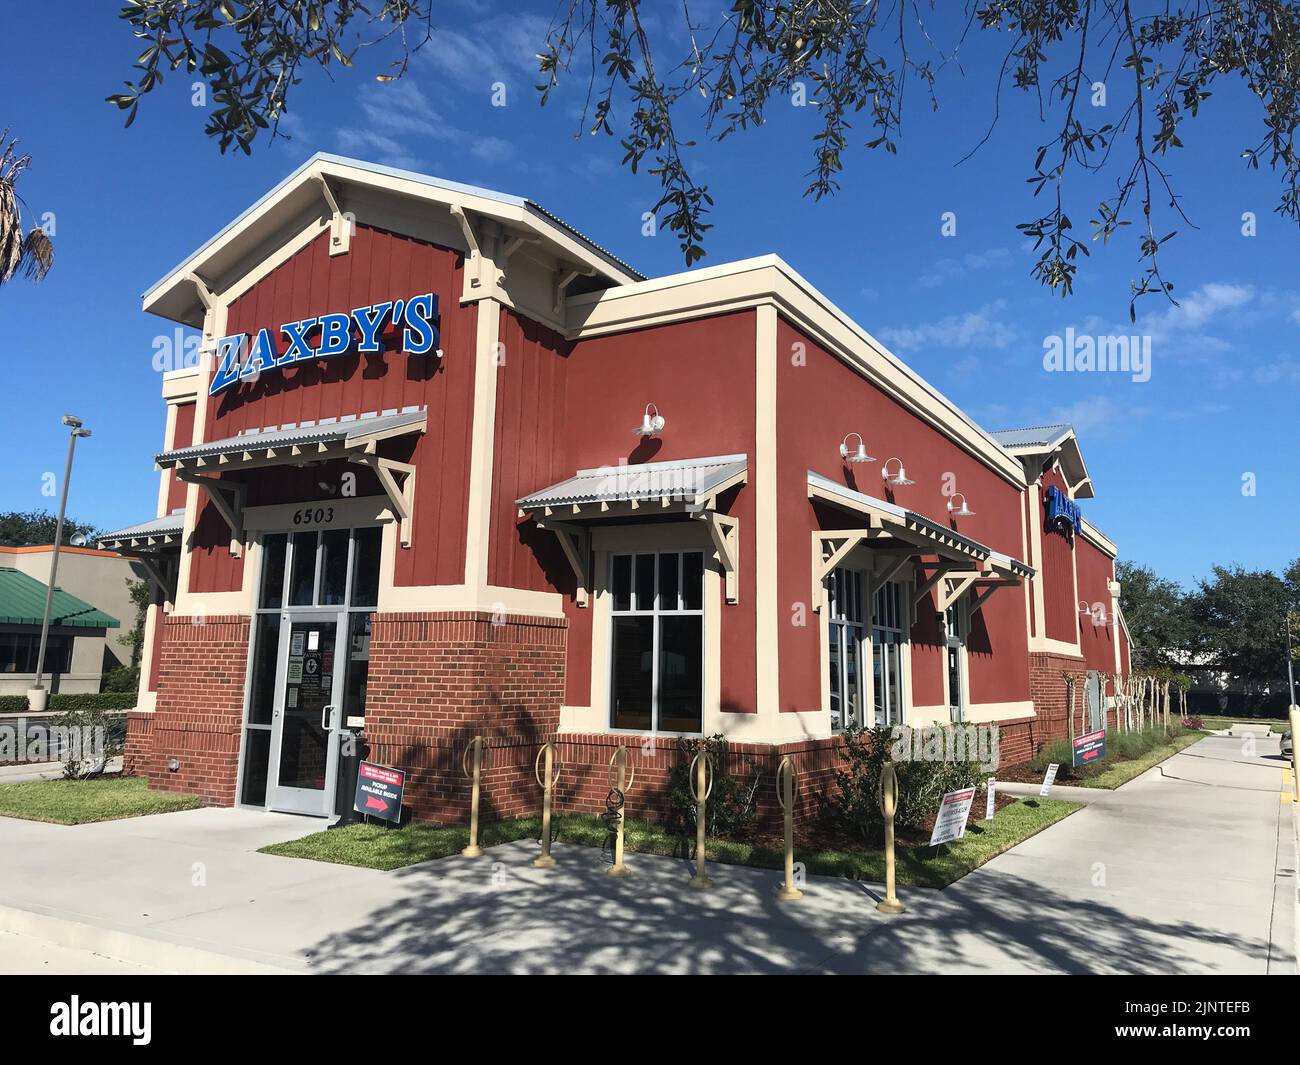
(19, 651)
(310, 661)
(847, 633)
(657, 645)
(888, 633)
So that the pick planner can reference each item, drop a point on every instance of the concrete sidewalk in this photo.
(1174, 873)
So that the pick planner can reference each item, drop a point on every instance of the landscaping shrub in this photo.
(17, 704)
(1194, 722)
(921, 784)
(731, 803)
(98, 737)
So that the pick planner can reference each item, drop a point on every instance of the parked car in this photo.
(1287, 748)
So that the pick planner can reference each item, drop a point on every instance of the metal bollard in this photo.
(477, 745)
(785, 796)
(701, 789)
(619, 792)
(548, 782)
(889, 807)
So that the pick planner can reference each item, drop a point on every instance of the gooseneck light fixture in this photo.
(963, 511)
(650, 423)
(900, 478)
(855, 455)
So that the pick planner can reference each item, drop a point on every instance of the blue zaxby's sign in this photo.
(245, 356)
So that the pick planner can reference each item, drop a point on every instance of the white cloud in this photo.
(978, 328)
(972, 262)
(1097, 414)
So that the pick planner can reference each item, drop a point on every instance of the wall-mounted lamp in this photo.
(173, 764)
(1098, 615)
(900, 478)
(650, 423)
(963, 511)
(855, 455)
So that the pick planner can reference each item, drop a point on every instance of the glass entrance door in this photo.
(306, 717)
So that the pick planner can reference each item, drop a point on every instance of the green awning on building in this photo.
(22, 602)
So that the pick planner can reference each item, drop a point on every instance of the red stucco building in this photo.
(445, 467)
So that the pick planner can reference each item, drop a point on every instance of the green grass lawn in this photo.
(1122, 772)
(77, 802)
(379, 848)
(1216, 723)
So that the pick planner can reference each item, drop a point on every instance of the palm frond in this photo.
(38, 254)
(33, 254)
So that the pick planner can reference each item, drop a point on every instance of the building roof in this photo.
(154, 532)
(685, 479)
(349, 429)
(1058, 439)
(173, 295)
(1034, 436)
(22, 602)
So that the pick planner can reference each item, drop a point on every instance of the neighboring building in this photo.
(402, 489)
(91, 599)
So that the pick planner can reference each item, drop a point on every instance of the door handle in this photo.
(327, 715)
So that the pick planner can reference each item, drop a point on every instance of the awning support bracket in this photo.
(474, 265)
(401, 496)
(230, 507)
(725, 534)
(340, 223)
(823, 564)
(575, 541)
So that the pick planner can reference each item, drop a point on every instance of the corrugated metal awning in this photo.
(22, 602)
(685, 480)
(290, 442)
(157, 532)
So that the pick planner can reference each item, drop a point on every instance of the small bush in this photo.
(921, 784)
(93, 738)
(731, 803)
(1194, 722)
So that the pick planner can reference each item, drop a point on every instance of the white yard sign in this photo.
(1049, 778)
(950, 824)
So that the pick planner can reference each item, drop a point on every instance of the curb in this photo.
(129, 947)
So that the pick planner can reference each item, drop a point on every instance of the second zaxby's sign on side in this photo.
(356, 332)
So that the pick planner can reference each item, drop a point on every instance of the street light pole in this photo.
(1290, 668)
(36, 697)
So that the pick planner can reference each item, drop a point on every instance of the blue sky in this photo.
(1167, 456)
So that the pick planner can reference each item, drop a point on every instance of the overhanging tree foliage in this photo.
(1156, 62)
(36, 528)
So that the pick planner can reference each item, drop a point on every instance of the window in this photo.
(657, 644)
(955, 625)
(19, 651)
(847, 633)
(888, 632)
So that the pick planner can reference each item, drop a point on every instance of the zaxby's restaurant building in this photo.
(448, 468)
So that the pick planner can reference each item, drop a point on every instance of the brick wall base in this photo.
(199, 709)
(139, 743)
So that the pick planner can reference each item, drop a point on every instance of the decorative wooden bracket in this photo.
(230, 507)
(954, 587)
(725, 533)
(576, 544)
(986, 591)
(340, 224)
(474, 260)
(839, 542)
(892, 568)
(924, 589)
(401, 496)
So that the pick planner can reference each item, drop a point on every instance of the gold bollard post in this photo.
(548, 782)
(476, 745)
(889, 807)
(701, 789)
(619, 758)
(785, 796)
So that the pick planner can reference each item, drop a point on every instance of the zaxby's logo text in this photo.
(245, 357)
(131, 1020)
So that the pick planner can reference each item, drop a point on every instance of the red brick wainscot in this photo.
(439, 679)
(199, 710)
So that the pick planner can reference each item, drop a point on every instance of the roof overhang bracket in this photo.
(924, 589)
(341, 225)
(474, 264)
(986, 591)
(575, 541)
(401, 496)
(725, 533)
(892, 568)
(564, 277)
